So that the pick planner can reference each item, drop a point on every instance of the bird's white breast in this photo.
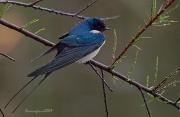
(90, 56)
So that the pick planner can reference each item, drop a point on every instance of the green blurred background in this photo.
(76, 91)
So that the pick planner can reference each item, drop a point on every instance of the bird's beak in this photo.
(107, 28)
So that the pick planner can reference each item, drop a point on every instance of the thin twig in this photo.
(2, 112)
(26, 5)
(144, 28)
(35, 2)
(94, 63)
(163, 82)
(83, 9)
(54, 11)
(7, 56)
(145, 102)
(104, 94)
(96, 71)
(177, 100)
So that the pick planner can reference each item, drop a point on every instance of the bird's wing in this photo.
(51, 49)
(82, 39)
(66, 57)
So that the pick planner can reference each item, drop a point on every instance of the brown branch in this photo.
(104, 95)
(35, 2)
(99, 75)
(95, 63)
(149, 23)
(145, 102)
(26, 5)
(7, 56)
(54, 11)
(83, 9)
(2, 112)
(161, 84)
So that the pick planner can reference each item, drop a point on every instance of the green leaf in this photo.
(164, 19)
(156, 69)
(154, 8)
(30, 23)
(147, 80)
(40, 30)
(133, 65)
(114, 44)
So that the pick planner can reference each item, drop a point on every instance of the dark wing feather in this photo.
(66, 57)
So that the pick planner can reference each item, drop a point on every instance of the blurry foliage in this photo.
(4, 8)
(164, 19)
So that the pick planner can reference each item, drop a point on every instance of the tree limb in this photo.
(7, 56)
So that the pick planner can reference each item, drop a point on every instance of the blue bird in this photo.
(80, 45)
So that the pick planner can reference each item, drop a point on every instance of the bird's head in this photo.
(97, 24)
(88, 25)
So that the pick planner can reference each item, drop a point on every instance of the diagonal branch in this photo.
(99, 75)
(2, 113)
(95, 63)
(7, 56)
(145, 102)
(83, 9)
(54, 11)
(167, 4)
(104, 94)
(35, 2)
(27, 5)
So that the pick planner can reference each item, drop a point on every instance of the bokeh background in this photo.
(76, 91)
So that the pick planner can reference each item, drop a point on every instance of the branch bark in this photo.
(7, 56)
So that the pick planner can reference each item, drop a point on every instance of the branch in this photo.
(27, 5)
(35, 2)
(104, 94)
(83, 9)
(100, 76)
(57, 12)
(145, 102)
(95, 63)
(7, 56)
(2, 113)
(149, 23)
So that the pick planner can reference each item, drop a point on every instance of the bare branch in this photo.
(160, 85)
(59, 12)
(94, 63)
(144, 28)
(54, 11)
(26, 33)
(177, 101)
(145, 102)
(2, 112)
(104, 94)
(86, 7)
(96, 71)
(7, 56)
(35, 2)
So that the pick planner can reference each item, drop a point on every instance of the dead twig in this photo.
(7, 56)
